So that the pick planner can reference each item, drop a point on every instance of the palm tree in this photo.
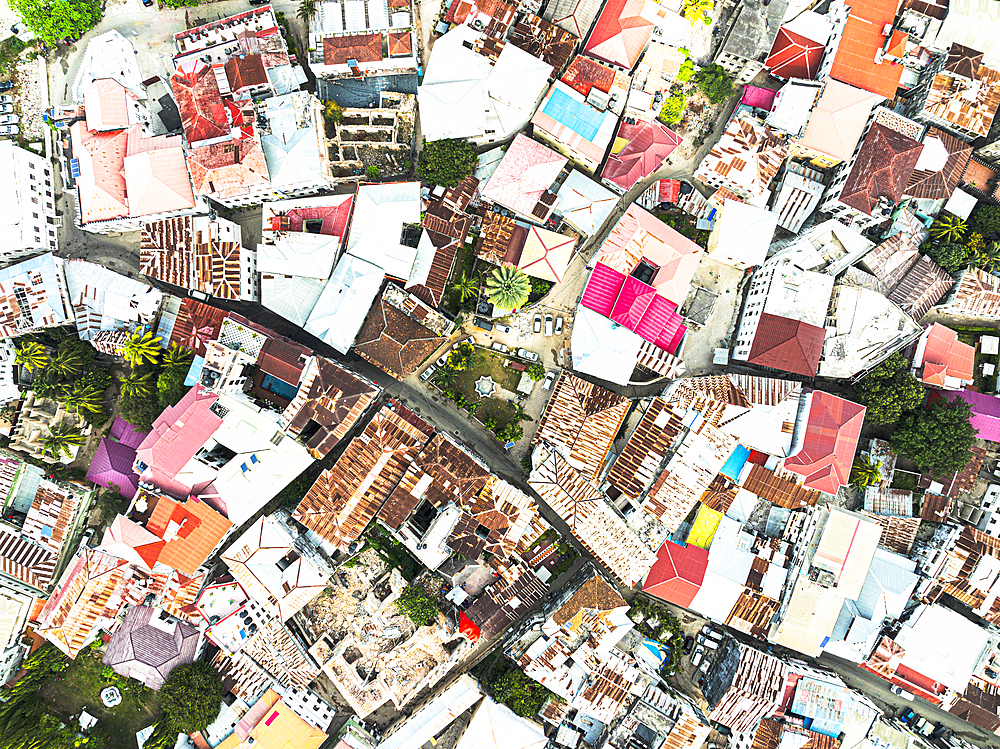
(177, 356)
(66, 364)
(142, 347)
(698, 10)
(865, 473)
(507, 287)
(83, 400)
(307, 8)
(137, 385)
(949, 228)
(988, 258)
(32, 355)
(446, 376)
(466, 287)
(62, 437)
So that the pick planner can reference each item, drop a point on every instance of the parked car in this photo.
(6, 85)
(149, 3)
(547, 382)
(443, 359)
(711, 645)
(8, 119)
(714, 634)
(259, 2)
(504, 328)
(536, 324)
(9, 130)
(559, 325)
(6, 109)
(471, 340)
(908, 716)
(525, 354)
(900, 692)
(548, 325)
(483, 323)
(6, 99)
(497, 346)
(428, 372)
(697, 655)
(516, 365)
(688, 645)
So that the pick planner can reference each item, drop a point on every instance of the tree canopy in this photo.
(889, 389)
(673, 108)
(951, 256)
(985, 219)
(415, 604)
(714, 83)
(190, 696)
(53, 20)
(446, 162)
(937, 438)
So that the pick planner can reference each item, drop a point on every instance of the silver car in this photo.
(8, 119)
(547, 382)
(525, 354)
(9, 130)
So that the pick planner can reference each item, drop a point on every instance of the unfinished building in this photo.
(381, 137)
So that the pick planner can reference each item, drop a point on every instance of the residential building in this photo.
(446, 224)
(743, 685)
(962, 97)
(272, 723)
(972, 549)
(799, 46)
(940, 167)
(865, 46)
(190, 324)
(381, 214)
(836, 124)
(522, 180)
(750, 33)
(797, 194)
(353, 40)
(638, 151)
(893, 510)
(585, 74)
(660, 65)
(114, 461)
(107, 56)
(677, 574)
(741, 235)
(30, 222)
(32, 296)
(975, 296)
(913, 281)
(493, 726)
(941, 360)
(783, 317)
(467, 94)
(16, 607)
(584, 204)
(345, 498)
(149, 645)
(433, 716)
(574, 16)
(107, 302)
(746, 159)
(293, 138)
(620, 34)
(8, 373)
(394, 341)
(570, 124)
(824, 446)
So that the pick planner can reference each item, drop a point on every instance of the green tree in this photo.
(416, 605)
(170, 387)
(65, 365)
(191, 696)
(672, 110)
(507, 287)
(697, 11)
(466, 287)
(83, 400)
(985, 219)
(714, 83)
(177, 356)
(535, 370)
(136, 383)
(446, 377)
(139, 411)
(53, 20)
(951, 256)
(865, 473)
(687, 71)
(307, 9)
(372, 172)
(32, 355)
(948, 228)
(521, 694)
(333, 112)
(62, 438)
(461, 357)
(889, 389)
(988, 257)
(141, 348)
(938, 437)
(446, 162)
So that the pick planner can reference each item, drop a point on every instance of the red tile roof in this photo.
(584, 74)
(789, 345)
(399, 43)
(648, 145)
(862, 37)
(620, 34)
(677, 574)
(199, 102)
(882, 169)
(828, 445)
(245, 71)
(337, 50)
(196, 326)
(191, 530)
(794, 56)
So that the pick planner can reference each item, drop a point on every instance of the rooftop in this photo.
(828, 442)
(528, 170)
(620, 34)
(638, 151)
(881, 170)
(940, 166)
(839, 119)
(795, 55)
(566, 116)
(584, 203)
(747, 157)
(147, 648)
(393, 341)
(787, 345)
(945, 361)
(860, 41)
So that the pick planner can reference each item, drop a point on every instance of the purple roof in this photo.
(985, 413)
(146, 652)
(112, 467)
(125, 433)
(758, 98)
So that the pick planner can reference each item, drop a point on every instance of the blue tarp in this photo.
(582, 119)
(735, 464)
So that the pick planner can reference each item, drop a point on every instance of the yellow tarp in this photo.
(705, 525)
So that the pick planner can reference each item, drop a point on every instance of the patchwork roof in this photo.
(575, 16)
(828, 443)
(639, 150)
(794, 56)
(565, 116)
(245, 71)
(976, 295)
(543, 39)
(584, 74)
(621, 34)
(393, 341)
(526, 171)
(968, 101)
(861, 39)
(747, 157)
(940, 166)
(199, 101)
(149, 651)
(882, 169)
(190, 253)
(787, 344)
(196, 326)
(229, 168)
(677, 574)
(838, 120)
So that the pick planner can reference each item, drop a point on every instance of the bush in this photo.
(416, 605)
(673, 108)
(53, 20)
(510, 686)
(985, 219)
(139, 410)
(714, 83)
(535, 370)
(686, 72)
(889, 389)
(333, 112)
(951, 256)
(170, 387)
(446, 162)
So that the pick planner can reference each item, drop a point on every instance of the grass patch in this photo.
(465, 260)
(486, 363)
(684, 224)
(502, 411)
(79, 686)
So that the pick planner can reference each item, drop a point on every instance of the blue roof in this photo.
(735, 464)
(582, 119)
(194, 371)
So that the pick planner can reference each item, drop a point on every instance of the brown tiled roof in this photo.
(779, 490)
(923, 285)
(282, 655)
(515, 592)
(935, 507)
(788, 345)
(976, 715)
(890, 260)
(753, 613)
(331, 398)
(968, 103)
(283, 359)
(720, 494)
(544, 40)
(979, 704)
(770, 730)
(941, 184)
(399, 43)
(963, 61)
(636, 468)
(245, 71)
(337, 50)
(197, 324)
(459, 197)
(345, 498)
(584, 74)
(584, 418)
(593, 595)
(432, 290)
(958, 579)
(494, 237)
(393, 341)
(882, 168)
(171, 251)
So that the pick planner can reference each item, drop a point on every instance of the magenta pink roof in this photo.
(759, 98)
(179, 432)
(122, 431)
(112, 468)
(602, 289)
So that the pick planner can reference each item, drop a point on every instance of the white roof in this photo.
(292, 297)
(830, 246)
(799, 294)
(15, 608)
(813, 26)
(961, 203)
(380, 211)
(716, 596)
(975, 24)
(108, 55)
(105, 300)
(298, 254)
(798, 197)
(792, 105)
(603, 348)
(342, 307)
(846, 548)
(744, 233)
(452, 109)
(515, 85)
(584, 203)
(496, 726)
(433, 717)
(950, 660)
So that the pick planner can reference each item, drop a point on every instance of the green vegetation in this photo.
(141, 403)
(951, 256)
(392, 552)
(658, 623)
(372, 172)
(714, 83)
(686, 72)
(446, 162)
(465, 260)
(985, 219)
(539, 288)
(507, 684)
(685, 224)
(904, 480)
(865, 473)
(457, 381)
(53, 20)
(62, 438)
(536, 371)
(32, 355)
(10, 50)
(142, 347)
(937, 438)
(697, 11)
(948, 228)
(507, 287)
(293, 493)
(306, 10)
(889, 389)
(416, 605)
(333, 112)
(66, 374)
(673, 108)
(465, 286)
(568, 556)
(189, 699)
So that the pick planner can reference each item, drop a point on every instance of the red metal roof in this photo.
(677, 574)
(669, 190)
(945, 355)
(831, 437)
(584, 74)
(862, 38)
(648, 145)
(620, 34)
(199, 102)
(789, 345)
(794, 56)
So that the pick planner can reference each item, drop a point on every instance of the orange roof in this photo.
(105, 103)
(945, 356)
(191, 530)
(229, 168)
(102, 180)
(862, 38)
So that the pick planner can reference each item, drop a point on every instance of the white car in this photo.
(525, 354)
(559, 325)
(536, 324)
(548, 325)
(6, 99)
(900, 692)
(471, 340)
(443, 359)
(9, 130)
(6, 109)
(504, 328)
(547, 382)
(8, 119)
(428, 372)
(497, 346)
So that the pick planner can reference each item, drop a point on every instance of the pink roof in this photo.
(105, 103)
(945, 356)
(602, 289)
(985, 412)
(102, 181)
(669, 190)
(177, 434)
(677, 574)
(158, 182)
(759, 98)
(526, 171)
(831, 438)
(648, 145)
(621, 34)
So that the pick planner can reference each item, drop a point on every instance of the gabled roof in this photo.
(985, 413)
(639, 150)
(940, 166)
(229, 168)
(836, 124)
(794, 56)
(860, 41)
(945, 356)
(158, 182)
(747, 157)
(393, 341)
(106, 103)
(583, 74)
(192, 530)
(977, 295)
(786, 344)
(584, 203)
(149, 652)
(339, 312)
(526, 171)
(621, 34)
(828, 443)
(199, 101)
(677, 574)
(101, 183)
(112, 468)
(196, 325)
(575, 16)
(542, 39)
(882, 169)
